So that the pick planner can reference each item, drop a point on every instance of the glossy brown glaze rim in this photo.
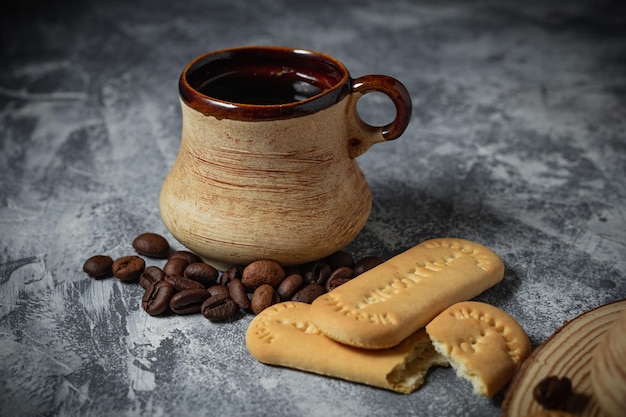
(222, 109)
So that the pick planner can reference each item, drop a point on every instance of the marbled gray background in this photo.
(518, 141)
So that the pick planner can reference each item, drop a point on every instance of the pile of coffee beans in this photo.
(187, 285)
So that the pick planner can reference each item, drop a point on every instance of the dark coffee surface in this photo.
(516, 142)
(264, 89)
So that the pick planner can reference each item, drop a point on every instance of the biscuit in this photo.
(551, 413)
(608, 372)
(283, 335)
(482, 343)
(381, 307)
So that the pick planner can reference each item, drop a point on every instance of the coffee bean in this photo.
(181, 283)
(340, 259)
(175, 266)
(552, 392)
(201, 272)
(188, 301)
(308, 294)
(365, 264)
(190, 257)
(152, 245)
(290, 285)
(219, 306)
(262, 272)
(151, 275)
(218, 291)
(99, 266)
(128, 268)
(157, 297)
(338, 277)
(239, 294)
(263, 297)
(230, 274)
(316, 273)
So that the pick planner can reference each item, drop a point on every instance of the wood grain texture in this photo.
(567, 353)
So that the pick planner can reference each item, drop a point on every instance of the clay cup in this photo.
(266, 167)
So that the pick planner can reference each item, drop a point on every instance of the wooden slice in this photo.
(567, 353)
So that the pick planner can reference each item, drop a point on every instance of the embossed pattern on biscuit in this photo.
(382, 306)
(482, 343)
(283, 335)
(278, 316)
(481, 325)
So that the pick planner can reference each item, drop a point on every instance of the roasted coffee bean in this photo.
(239, 294)
(264, 296)
(99, 266)
(181, 283)
(151, 275)
(262, 272)
(338, 277)
(175, 266)
(552, 392)
(290, 285)
(188, 301)
(190, 257)
(218, 291)
(308, 294)
(316, 273)
(128, 268)
(152, 245)
(201, 272)
(219, 306)
(340, 259)
(365, 264)
(230, 274)
(157, 297)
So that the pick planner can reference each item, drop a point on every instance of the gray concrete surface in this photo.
(518, 141)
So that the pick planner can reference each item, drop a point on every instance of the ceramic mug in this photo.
(266, 167)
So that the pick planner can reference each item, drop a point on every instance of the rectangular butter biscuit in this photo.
(283, 335)
(381, 307)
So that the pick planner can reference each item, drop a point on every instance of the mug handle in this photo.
(365, 135)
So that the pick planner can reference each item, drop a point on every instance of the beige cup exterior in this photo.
(286, 190)
(282, 188)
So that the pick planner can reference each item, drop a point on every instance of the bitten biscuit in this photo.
(283, 335)
(482, 343)
(381, 307)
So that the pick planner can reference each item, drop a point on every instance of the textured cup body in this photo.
(286, 189)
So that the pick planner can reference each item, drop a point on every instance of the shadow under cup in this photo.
(263, 83)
